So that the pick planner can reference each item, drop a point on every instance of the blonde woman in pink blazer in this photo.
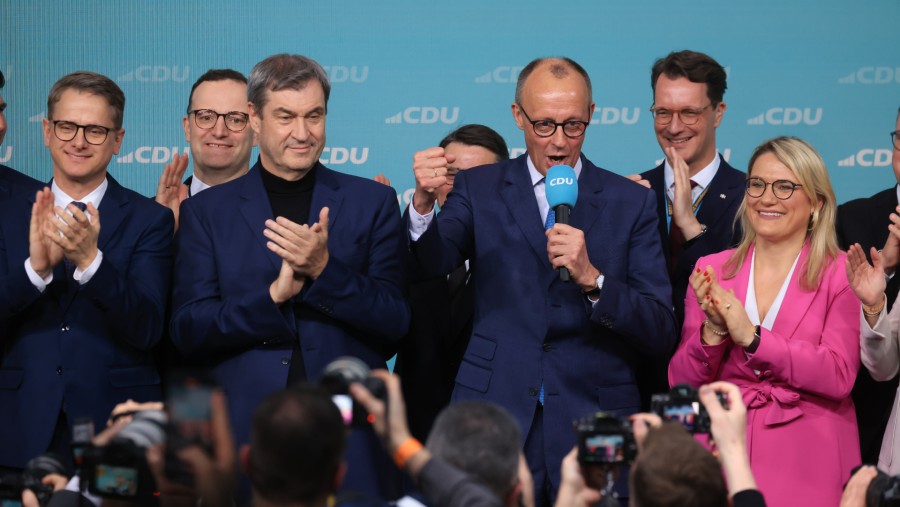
(777, 317)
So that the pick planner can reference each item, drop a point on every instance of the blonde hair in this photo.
(807, 165)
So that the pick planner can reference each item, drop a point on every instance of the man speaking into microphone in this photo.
(548, 350)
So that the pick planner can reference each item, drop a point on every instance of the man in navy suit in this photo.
(697, 192)
(292, 265)
(83, 304)
(550, 351)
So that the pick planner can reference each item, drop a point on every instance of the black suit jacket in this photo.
(429, 355)
(865, 221)
(717, 211)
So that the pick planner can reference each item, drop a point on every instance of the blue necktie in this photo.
(551, 219)
(70, 266)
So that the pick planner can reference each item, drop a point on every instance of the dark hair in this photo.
(673, 470)
(478, 135)
(284, 71)
(2, 80)
(481, 439)
(94, 84)
(559, 67)
(296, 445)
(697, 68)
(216, 75)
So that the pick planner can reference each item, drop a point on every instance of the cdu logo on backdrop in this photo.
(151, 155)
(7, 155)
(872, 75)
(342, 74)
(788, 116)
(335, 155)
(501, 74)
(867, 157)
(425, 115)
(156, 74)
(614, 115)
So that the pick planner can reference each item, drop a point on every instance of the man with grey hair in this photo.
(482, 440)
(292, 265)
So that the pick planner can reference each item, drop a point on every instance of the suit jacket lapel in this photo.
(326, 193)
(590, 205)
(255, 207)
(796, 301)
(721, 191)
(657, 179)
(113, 210)
(518, 195)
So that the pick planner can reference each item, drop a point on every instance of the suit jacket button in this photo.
(64, 328)
(59, 370)
(532, 392)
(547, 347)
(285, 360)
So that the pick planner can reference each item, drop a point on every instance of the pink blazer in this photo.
(801, 425)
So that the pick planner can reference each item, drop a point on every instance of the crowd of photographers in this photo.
(472, 456)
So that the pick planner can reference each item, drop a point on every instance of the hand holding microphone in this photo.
(561, 187)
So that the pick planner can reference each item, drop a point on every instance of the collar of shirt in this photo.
(702, 178)
(62, 199)
(540, 192)
(197, 186)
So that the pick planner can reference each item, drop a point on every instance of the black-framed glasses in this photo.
(895, 138)
(688, 116)
(546, 128)
(206, 119)
(782, 189)
(93, 134)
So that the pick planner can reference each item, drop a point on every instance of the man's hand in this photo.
(573, 490)
(566, 248)
(381, 178)
(170, 191)
(43, 253)
(728, 429)
(637, 179)
(287, 285)
(214, 476)
(855, 492)
(430, 170)
(76, 234)
(683, 202)
(891, 252)
(304, 248)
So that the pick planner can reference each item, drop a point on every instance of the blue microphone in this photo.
(561, 187)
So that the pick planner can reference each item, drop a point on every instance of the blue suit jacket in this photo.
(529, 327)
(717, 211)
(223, 313)
(88, 347)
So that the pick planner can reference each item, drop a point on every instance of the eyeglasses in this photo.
(782, 189)
(546, 128)
(895, 138)
(206, 119)
(93, 134)
(687, 116)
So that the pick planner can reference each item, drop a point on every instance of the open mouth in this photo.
(556, 159)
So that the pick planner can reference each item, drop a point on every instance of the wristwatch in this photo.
(593, 295)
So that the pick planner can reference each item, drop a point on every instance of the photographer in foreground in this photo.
(672, 469)
(439, 481)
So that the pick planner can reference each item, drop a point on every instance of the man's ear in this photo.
(515, 496)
